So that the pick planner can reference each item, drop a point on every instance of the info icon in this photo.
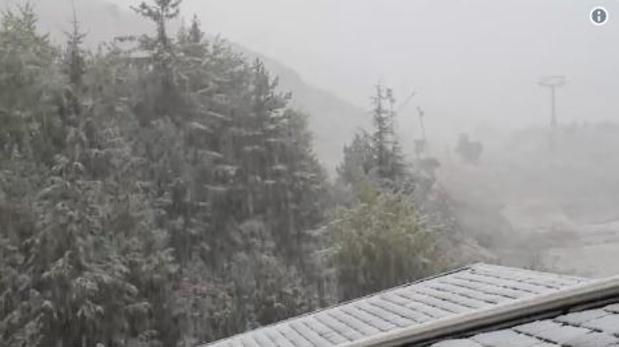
(599, 16)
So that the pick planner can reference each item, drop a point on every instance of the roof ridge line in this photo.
(578, 295)
(544, 272)
(548, 274)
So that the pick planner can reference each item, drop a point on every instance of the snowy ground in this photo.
(595, 254)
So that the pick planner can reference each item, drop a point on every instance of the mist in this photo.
(471, 62)
(404, 117)
(472, 67)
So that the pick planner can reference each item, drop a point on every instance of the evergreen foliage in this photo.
(161, 195)
(376, 154)
(164, 194)
(397, 224)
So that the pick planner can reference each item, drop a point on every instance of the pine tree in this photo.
(78, 284)
(387, 153)
(357, 161)
(160, 12)
(131, 207)
(165, 97)
(195, 34)
(75, 65)
(377, 154)
(29, 87)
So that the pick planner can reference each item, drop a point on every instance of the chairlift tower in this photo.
(552, 83)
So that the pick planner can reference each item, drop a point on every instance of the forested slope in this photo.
(158, 194)
(332, 120)
(160, 191)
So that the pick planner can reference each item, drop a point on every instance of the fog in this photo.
(474, 67)
(168, 188)
(471, 62)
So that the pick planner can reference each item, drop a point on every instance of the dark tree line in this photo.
(159, 191)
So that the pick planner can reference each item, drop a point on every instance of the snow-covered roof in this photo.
(471, 294)
(597, 327)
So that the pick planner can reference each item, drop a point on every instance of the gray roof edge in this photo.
(471, 266)
(546, 273)
(310, 313)
(603, 290)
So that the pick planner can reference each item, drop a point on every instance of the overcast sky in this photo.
(475, 60)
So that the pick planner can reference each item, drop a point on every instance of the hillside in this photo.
(332, 120)
(564, 199)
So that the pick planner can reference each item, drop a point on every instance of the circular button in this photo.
(599, 16)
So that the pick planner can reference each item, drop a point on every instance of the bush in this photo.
(381, 242)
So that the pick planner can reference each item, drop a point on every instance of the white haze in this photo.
(474, 63)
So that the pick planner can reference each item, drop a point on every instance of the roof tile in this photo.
(562, 333)
(505, 338)
(578, 318)
(459, 343)
(590, 328)
(593, 339)
(451, 295)
(608, 324)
